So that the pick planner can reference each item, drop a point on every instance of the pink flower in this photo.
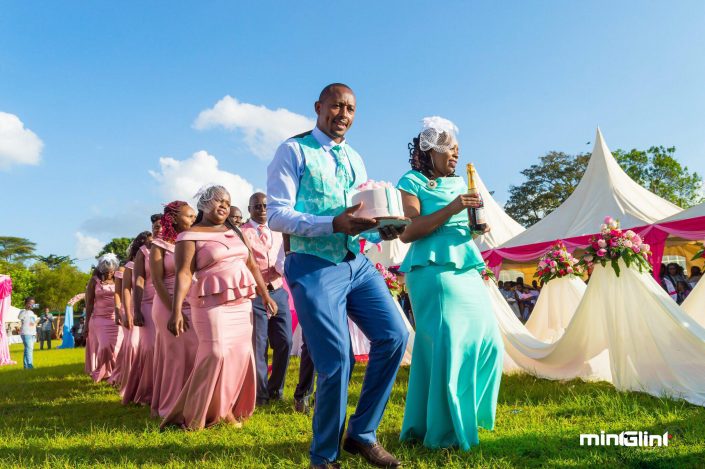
(615, 232)
(636, 239)
(645, 247)
(628, 244)
(570, 270)
(636, 249)
(602, 243)
(609, 220)
(629, 234)
(601, 252)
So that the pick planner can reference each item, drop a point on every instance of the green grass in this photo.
(55, 416)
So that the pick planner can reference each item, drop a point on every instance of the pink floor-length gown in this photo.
(173, 356)
(221, 386)
(141, 379)
(116, 375)
(104, 335)
(130, 344)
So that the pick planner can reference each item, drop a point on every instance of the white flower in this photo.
(627, 243)
(602, 243)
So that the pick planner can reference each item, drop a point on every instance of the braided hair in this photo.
(168, 220)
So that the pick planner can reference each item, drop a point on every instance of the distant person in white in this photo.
(28, 331)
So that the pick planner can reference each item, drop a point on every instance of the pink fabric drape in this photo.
(655, 235)
(5, 302)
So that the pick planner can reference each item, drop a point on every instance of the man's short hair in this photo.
(326, 91)
(156, 217)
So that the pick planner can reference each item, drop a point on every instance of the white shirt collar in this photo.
(254, 224)
(324, 140)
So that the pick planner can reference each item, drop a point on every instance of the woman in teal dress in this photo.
(456, 364)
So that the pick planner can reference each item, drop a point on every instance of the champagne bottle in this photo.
(476, 215)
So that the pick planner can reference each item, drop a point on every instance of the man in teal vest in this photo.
(309, 183)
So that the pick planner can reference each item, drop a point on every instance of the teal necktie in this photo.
(342, 171)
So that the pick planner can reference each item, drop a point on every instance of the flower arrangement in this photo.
(372, 184)
(557, 263)
(612, 244)
(488, 275)
(700, 254)
(390, 279)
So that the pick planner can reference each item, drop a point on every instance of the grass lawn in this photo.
(55, 416)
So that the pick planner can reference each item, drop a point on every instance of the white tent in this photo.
(11, 315)
(692, 212)
(503, 227)
(605, 189)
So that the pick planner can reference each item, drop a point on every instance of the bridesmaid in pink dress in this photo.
(221, 386)
(140, 382)
(173, 356)
(131, 334)
(104, 334)
(116, 376)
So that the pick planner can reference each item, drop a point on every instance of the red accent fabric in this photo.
(655, 235)
(5, 287)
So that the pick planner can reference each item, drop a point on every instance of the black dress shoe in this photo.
(301, 406)
(373, 453)
(330, 465)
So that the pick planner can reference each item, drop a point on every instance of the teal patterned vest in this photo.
(324, 190)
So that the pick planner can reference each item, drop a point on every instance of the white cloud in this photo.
(18, 145)
(87, 247)
(264, 129)
(181, 179)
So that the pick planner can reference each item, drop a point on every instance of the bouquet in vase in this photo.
(390, 279)
(612, 244)
(557, 263)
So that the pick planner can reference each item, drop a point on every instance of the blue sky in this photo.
(111, 87)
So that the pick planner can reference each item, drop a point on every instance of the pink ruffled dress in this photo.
(116, 376)
(173, 356)
(130, 342)
(141, 380)
(105, 335)
(221, 386)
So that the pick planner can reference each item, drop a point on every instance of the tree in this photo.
(658, 170)
(117, 246)
(53, 261)
(55, 286)
(23, 281)
(13, 249)
(547, 185)
(554, 178)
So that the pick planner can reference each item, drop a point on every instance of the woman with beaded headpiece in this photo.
(456, 364)
(104, 335)
(173, 356)
(221, 386)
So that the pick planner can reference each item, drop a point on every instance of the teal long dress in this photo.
(456, 366)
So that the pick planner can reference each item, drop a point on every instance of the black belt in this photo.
(270, 287)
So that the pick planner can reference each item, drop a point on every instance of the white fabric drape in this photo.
(555, 307)
(694, 304)
(626, 330)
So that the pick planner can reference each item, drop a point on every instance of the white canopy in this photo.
(605, 189)
(503, 227)
(692, 212)
(11, 314)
